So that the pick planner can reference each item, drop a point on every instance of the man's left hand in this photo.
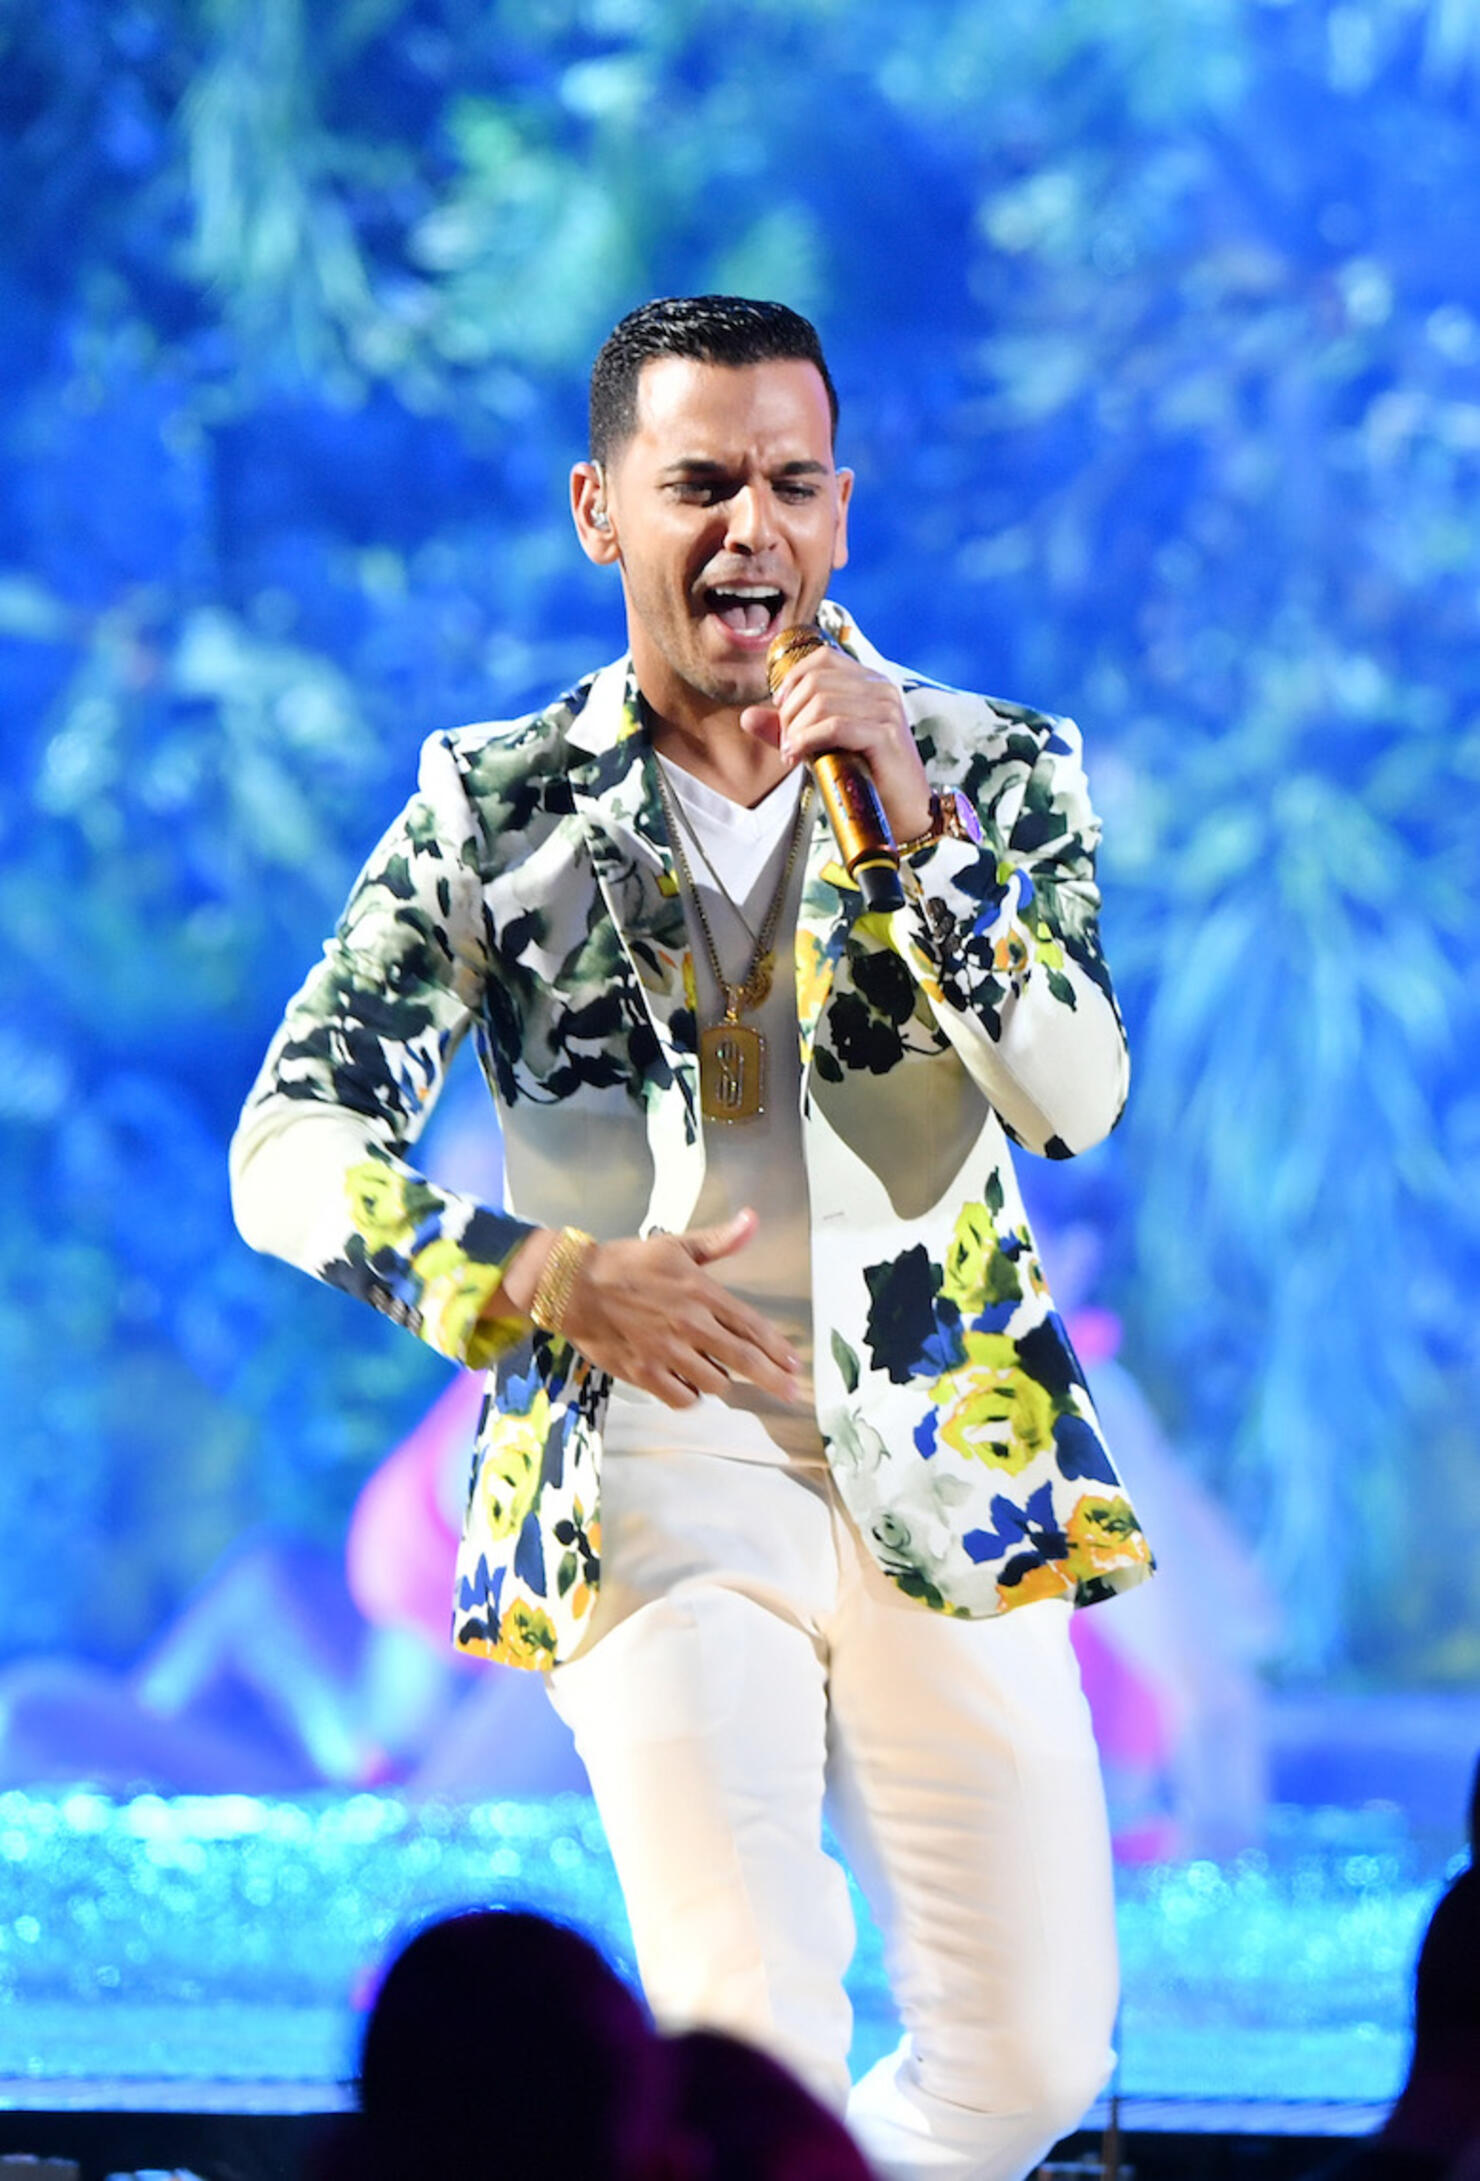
(830, 701)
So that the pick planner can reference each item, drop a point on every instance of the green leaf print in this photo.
(846, 1361)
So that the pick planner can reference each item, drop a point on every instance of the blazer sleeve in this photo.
(318, 1172)
(1004, 940)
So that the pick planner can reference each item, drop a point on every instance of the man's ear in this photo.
(591, 515)
(840, 531)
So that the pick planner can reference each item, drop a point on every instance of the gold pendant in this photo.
(732, 1071)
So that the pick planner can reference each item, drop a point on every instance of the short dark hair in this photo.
(717, 329)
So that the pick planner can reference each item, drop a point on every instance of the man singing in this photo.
(788, 1479)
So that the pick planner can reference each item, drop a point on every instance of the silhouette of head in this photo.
(753, 2119)
(500, 2042)
(1446, 1989)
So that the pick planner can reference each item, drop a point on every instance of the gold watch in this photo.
(951, 818)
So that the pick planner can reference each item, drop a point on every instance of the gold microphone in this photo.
(846, 786)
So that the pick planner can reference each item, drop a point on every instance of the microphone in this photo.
(846, 786)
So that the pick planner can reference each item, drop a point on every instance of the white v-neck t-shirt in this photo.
(757, 1162)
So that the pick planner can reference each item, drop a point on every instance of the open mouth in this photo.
(746, 609)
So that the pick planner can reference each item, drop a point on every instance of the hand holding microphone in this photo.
(847, 785)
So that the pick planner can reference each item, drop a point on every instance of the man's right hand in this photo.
(647, 1312)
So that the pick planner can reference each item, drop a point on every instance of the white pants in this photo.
(746, 1654)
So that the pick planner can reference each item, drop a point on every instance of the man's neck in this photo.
(719, 752)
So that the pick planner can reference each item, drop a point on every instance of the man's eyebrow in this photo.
(698, 465)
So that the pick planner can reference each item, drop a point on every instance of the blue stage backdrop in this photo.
(1158, 337)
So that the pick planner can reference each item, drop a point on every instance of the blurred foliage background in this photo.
(1157, 326)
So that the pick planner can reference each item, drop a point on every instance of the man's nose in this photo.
(749, 525)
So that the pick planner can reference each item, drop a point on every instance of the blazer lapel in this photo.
(614, 790)
(831, 902)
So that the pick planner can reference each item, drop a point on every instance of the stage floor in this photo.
(209, 1953)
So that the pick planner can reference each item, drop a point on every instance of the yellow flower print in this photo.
(509, 1476)
(991, 1410)
(525, 1636)
(377, 1205)
(442, 1259)
(1104, 1534)
(814, 974)
(454, 1292)
(690, 985)
(976, 1272)
(877, 926)
(484, 1337)
(1049, 1580)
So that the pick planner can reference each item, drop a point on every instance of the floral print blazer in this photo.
(528, 892)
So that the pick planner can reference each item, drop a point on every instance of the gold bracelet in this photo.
(552, 1296)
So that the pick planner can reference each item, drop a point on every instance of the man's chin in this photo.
(735, 684)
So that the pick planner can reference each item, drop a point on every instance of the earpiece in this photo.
(600, 520)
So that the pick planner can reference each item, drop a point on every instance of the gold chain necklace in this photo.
(732, 1053)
